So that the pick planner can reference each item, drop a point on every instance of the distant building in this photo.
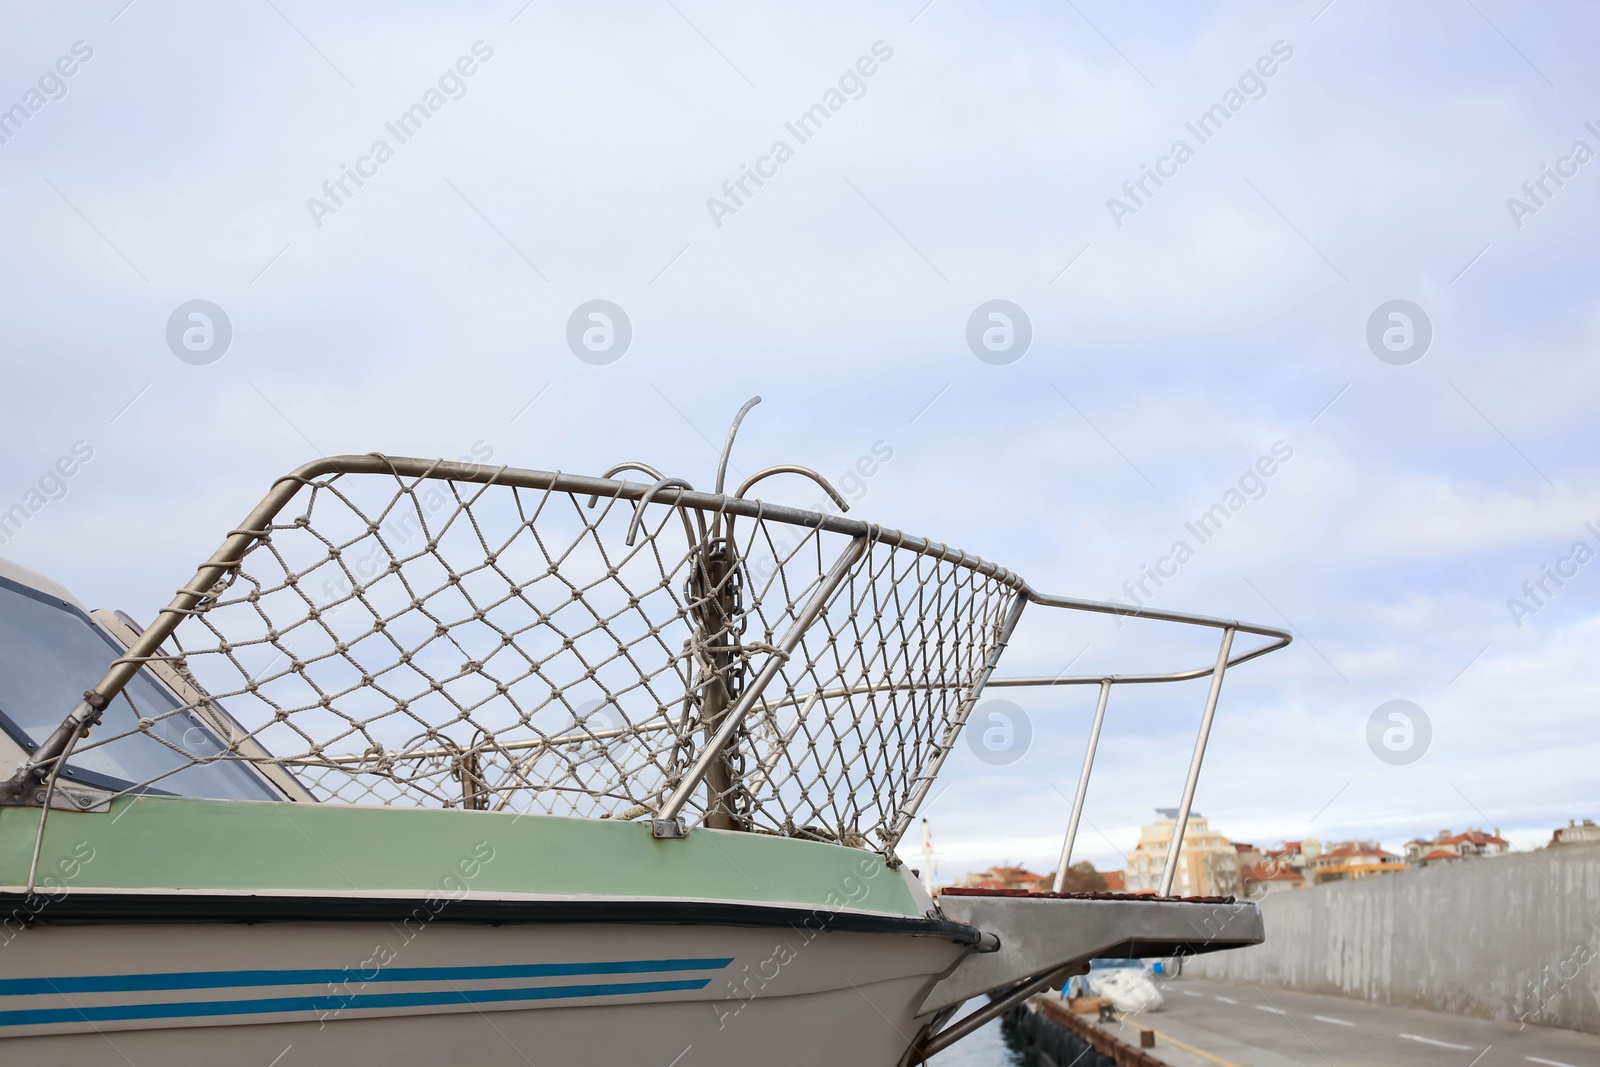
(1575, 834)
(1115, 882)
(1261, 879)
(1447, 846)
(1081, 878)
(1208, 864)
(1263, 871)
(1428, 859)
(1008, 878)
(1295, 855)
(1352, 860)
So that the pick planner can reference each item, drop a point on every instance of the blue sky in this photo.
(1228, 313)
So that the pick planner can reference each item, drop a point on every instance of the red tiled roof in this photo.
(976, 891)
(1007, 877)
(1441, 854)
(1475, 837)
(1355, 848)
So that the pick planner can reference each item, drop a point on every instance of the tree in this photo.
(1083, 878)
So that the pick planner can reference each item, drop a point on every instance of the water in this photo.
(990, 1046)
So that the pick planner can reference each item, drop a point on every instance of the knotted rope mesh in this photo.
(417, 640)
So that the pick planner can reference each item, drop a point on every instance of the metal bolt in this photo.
(668, 828)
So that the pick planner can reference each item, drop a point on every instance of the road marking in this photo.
(1275, 1011)
(1440, 1044)
(1227, 1000)
(1552, 1063)
(1330, 1019)
(1169, 1039)
(1192, 993)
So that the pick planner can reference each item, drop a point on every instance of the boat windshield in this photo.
(50, 652)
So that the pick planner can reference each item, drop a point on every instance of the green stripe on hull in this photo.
(177, 843)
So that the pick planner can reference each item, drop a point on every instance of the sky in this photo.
(1316, 163)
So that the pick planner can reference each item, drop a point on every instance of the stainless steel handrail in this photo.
(1215, 672)
(1082, 792)
(861, 535)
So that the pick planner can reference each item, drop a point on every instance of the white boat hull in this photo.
(432, 995)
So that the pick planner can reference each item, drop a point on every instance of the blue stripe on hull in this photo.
(270, 1005)
(124, 983)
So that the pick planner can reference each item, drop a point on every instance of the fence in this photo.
(1512, 937)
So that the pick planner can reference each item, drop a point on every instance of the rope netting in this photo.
(419, 640)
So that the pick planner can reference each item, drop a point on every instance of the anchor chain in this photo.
(715, 591)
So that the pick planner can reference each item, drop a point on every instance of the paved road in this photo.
(1226, 1024)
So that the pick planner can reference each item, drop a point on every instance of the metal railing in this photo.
(1225, 659)
(875, 645)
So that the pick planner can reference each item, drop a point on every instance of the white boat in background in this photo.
(1127, 984)
(435, 763)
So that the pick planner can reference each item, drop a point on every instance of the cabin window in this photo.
(51, 652)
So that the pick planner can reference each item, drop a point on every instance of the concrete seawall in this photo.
(1512, 937)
